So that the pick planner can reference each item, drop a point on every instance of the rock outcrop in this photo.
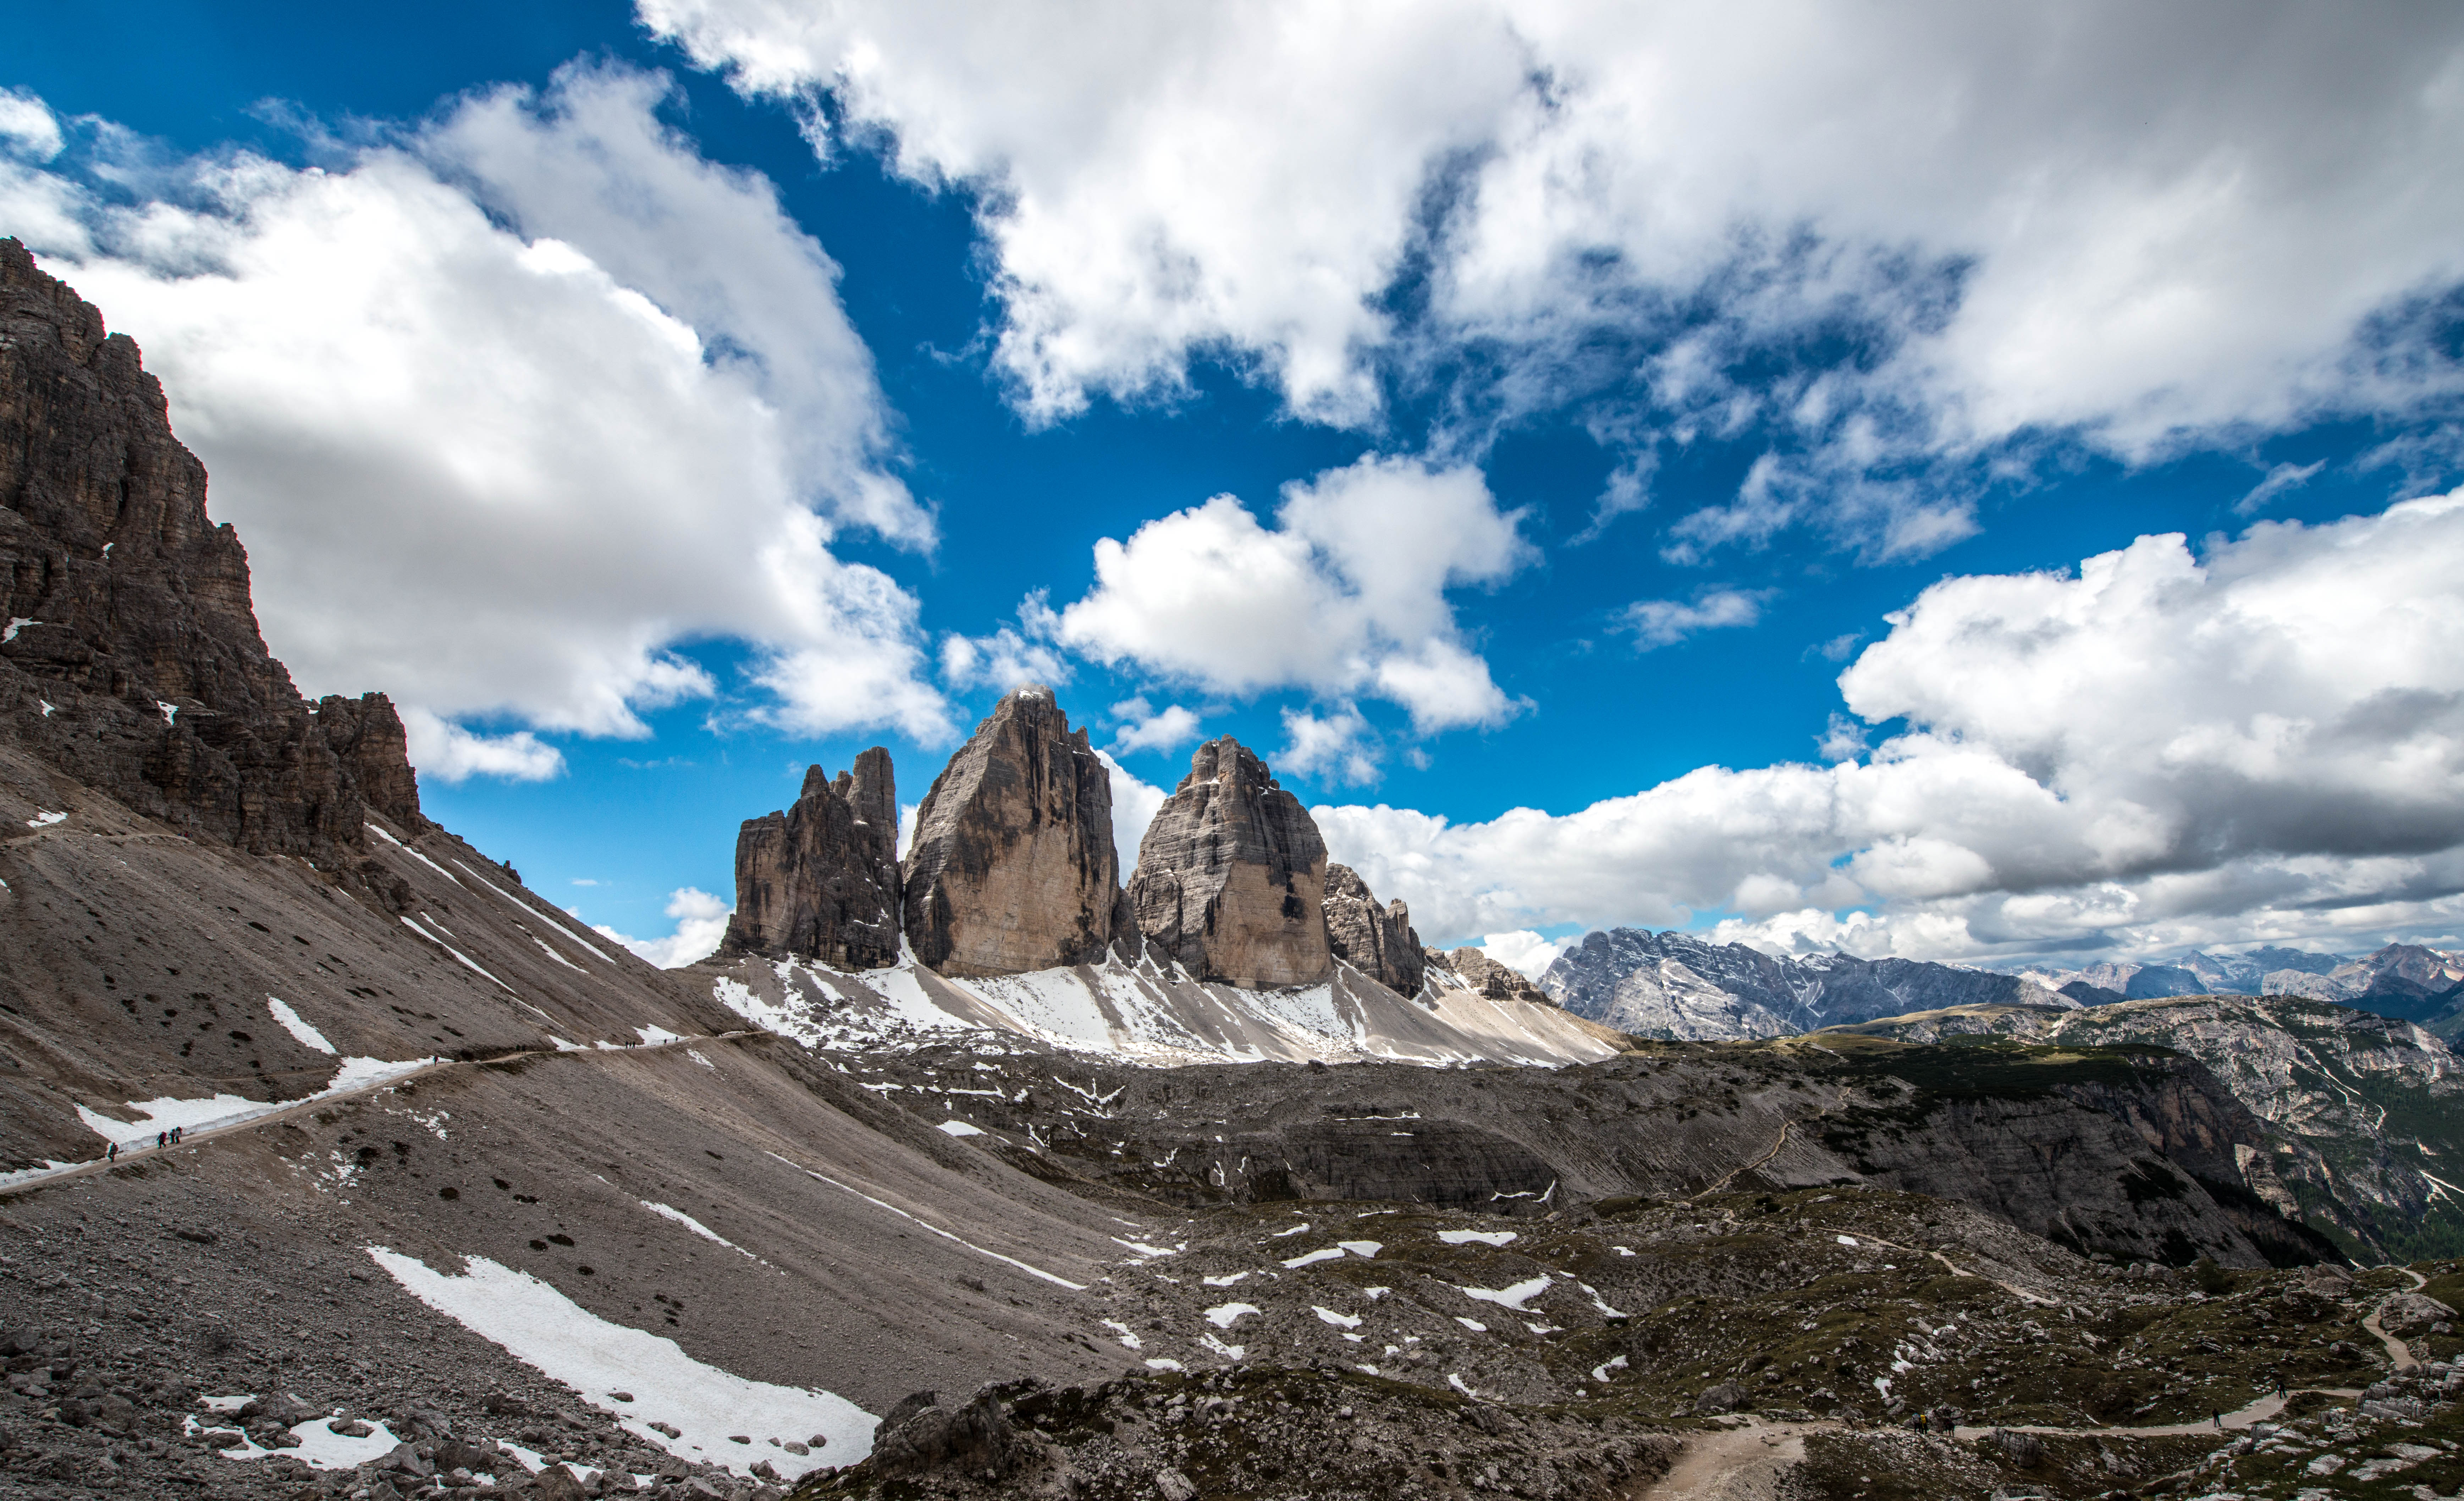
(1493, 980)
(129, 653)
(820, 879)
(1378, 941)
(1013, 866)
(1231, 876)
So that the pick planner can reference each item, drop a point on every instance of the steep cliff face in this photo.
(1376, 941)
(819, 880)
(1231, 876)
(1674, 986)
(1013, 866)
(129, 653)
(2356, 1113)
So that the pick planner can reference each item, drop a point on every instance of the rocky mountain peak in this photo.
(130, 655)
(820, 879)
(1377, 941)
(1231, 875)
(1013, 866)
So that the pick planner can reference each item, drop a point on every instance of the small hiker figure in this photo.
(162, 1139)
(175, 1134)
(111, 1153)
(2220, 1422)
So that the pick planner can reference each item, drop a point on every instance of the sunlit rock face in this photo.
(1231, 876)
(1013, 866)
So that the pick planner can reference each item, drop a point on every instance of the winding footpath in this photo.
(211, 1132)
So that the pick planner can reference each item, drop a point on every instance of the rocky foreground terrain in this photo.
(465, 1203)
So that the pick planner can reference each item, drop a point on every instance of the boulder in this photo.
(1013, 866)
(1377, 941)
(1726, 1397)
(2409, 1314)
(1231, 876)
(819, 880)
(978, 1440)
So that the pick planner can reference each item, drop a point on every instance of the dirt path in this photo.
(2259, 1411)
(1731, 1176)
(213, 1133)
(2397, 1350)
(1743, 1464)
(1958, 1270)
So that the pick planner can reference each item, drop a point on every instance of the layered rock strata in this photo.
(1013, 866)
(1231, 876)
(129, 653)
(819, 880)
(1377, 941)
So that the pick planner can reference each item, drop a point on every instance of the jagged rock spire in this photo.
(820, 879)
(1377, 941)
(1231, 876)
(1013, 866)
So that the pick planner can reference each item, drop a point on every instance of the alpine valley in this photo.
(340, 1163)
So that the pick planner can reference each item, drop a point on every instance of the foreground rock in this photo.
(1377, 941)
(820, 881)
(1013, 866)
(129, 655)
(1231, 878)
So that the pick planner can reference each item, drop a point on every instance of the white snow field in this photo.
(565, 1342)
(1153, 1013)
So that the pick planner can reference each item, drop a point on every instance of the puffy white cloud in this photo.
(1523, 949)
(1133, 809)
(445, 751)
(2088, 216)
(1003, 660)
(508, 406)
(28, 128)
(1346, 594)
(1661, 623)
(2154, 750)
(701, 922)
(1337, 747)
(1145, 727)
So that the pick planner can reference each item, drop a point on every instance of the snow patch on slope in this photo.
(549, 1332)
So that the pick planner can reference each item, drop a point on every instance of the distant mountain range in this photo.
(1680, 987)
(1676, 986)
(2406, 982)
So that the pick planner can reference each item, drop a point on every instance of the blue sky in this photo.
(1628, 450)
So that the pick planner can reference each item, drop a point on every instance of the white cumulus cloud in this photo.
(446, 752)
(1346, 594)
(701, 922)
(1145, 727)
(2123, 223)
(1134, 808)
(511, 404)
(1661, 623)
(2155, 749)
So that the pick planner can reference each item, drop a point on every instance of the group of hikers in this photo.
(162, 1139)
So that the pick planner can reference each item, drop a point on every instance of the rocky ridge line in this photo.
(130, 656)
